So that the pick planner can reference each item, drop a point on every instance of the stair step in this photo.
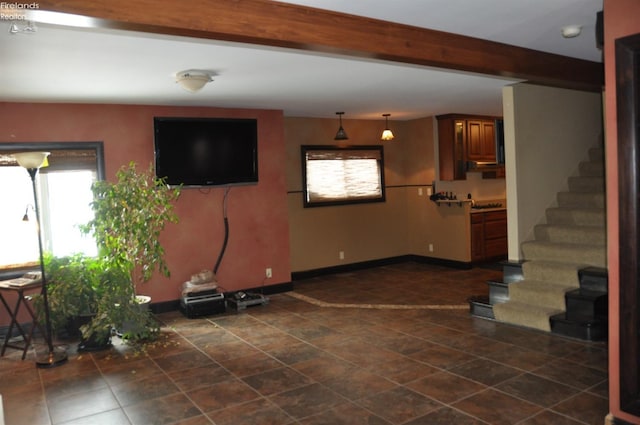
(526, 315)
(582, 303)
(594, 279)
(588, 235)
(539, 293)
(552, 271)
(563, 276)
(581, 199)
(576, 216)
(511, 271)
(559, 252)
(481, 307)
(586, 329)
(498, 292)
(591, 168)
(586, 184)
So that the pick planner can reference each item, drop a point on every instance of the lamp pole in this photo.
(32, 161)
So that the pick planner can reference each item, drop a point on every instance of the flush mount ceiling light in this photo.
(386, 134)
(193, 79)
(571, 31)
(341, 134)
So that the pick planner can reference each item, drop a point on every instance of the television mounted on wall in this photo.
(200, 152)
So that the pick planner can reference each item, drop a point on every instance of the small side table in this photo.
(22, 287)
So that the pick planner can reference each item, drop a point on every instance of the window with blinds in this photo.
(333, 175)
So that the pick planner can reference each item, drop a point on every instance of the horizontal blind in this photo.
(337, 175)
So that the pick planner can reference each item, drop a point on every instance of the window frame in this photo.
(304, 149)
(12, 147)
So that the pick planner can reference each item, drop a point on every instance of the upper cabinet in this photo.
(463, 138)
(481, 140)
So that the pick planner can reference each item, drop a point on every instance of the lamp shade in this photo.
(386, 133)
(31, 159)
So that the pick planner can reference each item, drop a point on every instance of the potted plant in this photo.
(76, 285)
(129, 216)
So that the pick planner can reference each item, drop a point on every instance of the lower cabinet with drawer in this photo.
(488, 235)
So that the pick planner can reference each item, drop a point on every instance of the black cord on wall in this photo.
(226, 231)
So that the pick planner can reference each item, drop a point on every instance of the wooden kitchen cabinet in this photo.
(481, 140)
(488, 235)
(452, 147)
(463, 138)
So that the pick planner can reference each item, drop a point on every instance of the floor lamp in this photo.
(32, 161)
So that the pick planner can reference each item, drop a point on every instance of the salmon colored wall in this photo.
(258, 217)
(620, 19)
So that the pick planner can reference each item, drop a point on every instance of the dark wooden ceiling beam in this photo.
(271, 23)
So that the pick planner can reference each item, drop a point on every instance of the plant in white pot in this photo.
(129, 216)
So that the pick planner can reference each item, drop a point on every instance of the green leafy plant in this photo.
(76, 286)
(129, 216)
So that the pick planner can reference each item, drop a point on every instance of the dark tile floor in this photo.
(389, 345)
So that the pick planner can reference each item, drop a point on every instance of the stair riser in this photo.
(594, 256)
(481, 309)
(581, 200)
(586, 184)
(528, 318)
(552, 272)
(576, 217)
(571, 234)
(498, 292)
(588, 331)
(512, 271)
(594, 280)
(581, 308)
(533, 296)
(595, 169)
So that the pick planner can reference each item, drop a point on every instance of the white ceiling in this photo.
(68, 64)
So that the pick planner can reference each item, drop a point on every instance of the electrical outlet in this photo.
(430, 247)
(341, 255)
(419, 191)
(268, 273)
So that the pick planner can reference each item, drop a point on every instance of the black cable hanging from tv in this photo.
(226, 231)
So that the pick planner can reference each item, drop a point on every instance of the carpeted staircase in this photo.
(573, 238)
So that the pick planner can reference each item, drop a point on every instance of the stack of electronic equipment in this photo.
(200, 296)
(241, 300)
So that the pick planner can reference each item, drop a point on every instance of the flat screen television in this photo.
(196, 152)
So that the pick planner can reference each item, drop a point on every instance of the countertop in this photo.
(482, 210)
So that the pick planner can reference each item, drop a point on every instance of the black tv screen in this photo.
(206, 151)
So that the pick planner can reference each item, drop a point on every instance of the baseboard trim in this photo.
(351, 267)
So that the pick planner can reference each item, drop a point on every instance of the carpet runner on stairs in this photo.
(573, 237)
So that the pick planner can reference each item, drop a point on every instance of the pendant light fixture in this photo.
(386, 134)
(341, 134)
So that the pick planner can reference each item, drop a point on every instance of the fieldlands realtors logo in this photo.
(13, 11)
